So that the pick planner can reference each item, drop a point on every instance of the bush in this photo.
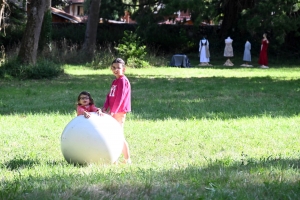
(101, 61)
(131, 46)
(14, 68)
(132, 50)
(42, 69)
(137, 63)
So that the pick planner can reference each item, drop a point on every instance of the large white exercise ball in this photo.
(98, 139)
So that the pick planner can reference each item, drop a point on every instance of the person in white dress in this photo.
(228, 51)
(247, 55)
(204, 53)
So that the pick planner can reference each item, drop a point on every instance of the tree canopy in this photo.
(279, 17)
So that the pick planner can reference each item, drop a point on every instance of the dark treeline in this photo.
(176, 38)
(165, 38)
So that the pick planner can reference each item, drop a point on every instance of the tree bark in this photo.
(3, 6)
(30, 40)
(91, 29)
(230, 17)
(232, 9)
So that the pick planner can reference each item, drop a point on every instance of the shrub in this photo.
(14, 68)
(131, 46)
(100, 61)
(62, 51)
(137, 63)
(42, 69)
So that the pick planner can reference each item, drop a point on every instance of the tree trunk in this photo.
(230, 17)
(46, 30)
(3, 6)
(91, 29)
(30, 40)
(232, 9)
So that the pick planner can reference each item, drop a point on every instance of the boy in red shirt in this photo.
(118, 100)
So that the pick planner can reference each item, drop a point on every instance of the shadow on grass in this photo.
(20, 163)
(156, 97)
(223, 179)
(17, 164)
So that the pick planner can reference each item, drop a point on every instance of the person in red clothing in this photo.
(118, 100)
(85, 105)
(263, 56)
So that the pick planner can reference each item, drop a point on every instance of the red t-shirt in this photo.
(89, 108)
(119, 97)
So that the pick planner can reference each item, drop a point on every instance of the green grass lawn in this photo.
(194, 133)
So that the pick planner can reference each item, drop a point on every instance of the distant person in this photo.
(118, 100)
(85, 105)
(228, 51)
(263, 56)
(204, 53)
(247, 55)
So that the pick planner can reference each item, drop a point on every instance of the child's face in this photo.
(84, 100)
(118, 69)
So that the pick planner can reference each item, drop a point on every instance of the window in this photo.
(80, 10)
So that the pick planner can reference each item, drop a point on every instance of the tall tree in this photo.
(112, 9)
(91, 29)
(230, 13)
(279, 18)
(30, 40)
(4, 12)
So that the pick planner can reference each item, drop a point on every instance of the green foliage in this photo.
(41, 70)
(131, 46)
(166, 38)
(15, 25)
(102, 59)
(254, 19)
(111, 9)
(14, 68)
(44, 69)
(279, 18)
(275, 17)
(137, 63)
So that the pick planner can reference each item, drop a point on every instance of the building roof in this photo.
(65, 15)
(111, 21)
(76, 1)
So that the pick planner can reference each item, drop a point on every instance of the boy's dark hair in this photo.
(118, 60)
(85, 93)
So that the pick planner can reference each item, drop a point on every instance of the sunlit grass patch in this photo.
(193, 134)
